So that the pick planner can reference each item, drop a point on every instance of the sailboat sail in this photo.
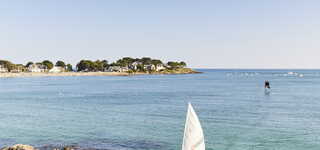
(193, 138)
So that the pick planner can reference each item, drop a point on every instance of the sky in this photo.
(204, 33)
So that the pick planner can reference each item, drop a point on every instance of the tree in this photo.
(18, 68)
(183, 64)
(48, 64)
(85, 65)
(29, 63)
(60, 64)
(146, 60)
(141, 68)
(101, 65)
(125, 61)
(69, 68)
(113, 64)
(98, 65)
(105, 63)
(7, 64)
(156, 61)
(175, 65)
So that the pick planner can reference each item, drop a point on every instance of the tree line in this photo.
(94, 66)
(46, 63)
(88, 65)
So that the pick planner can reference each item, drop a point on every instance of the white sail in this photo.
(193, 138)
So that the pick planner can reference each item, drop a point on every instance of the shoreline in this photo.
(66, 74)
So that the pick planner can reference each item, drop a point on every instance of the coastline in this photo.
(47, 74)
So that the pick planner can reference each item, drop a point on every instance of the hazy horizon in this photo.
(205, 34)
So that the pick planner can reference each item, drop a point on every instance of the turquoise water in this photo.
(148, 112)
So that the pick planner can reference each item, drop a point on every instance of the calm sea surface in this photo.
(148, 112)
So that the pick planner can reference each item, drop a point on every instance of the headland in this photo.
(125, 66)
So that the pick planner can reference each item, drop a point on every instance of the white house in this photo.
(3, 69)
(124, 69)
(160, 67)
(117, 69)
(56, 69)
(149, 67)
(37, 68)
(114, 69)
(134, 65)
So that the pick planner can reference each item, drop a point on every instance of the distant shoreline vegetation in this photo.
(124, 65)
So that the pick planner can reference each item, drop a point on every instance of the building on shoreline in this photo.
(149, 67)
(134, 65)
(160, 67)
(57, 69)
(18, 68)
(117, 69)
(3, 69)
(37, 68)
(126, 64)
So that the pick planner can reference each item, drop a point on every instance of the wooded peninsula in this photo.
(123, 66)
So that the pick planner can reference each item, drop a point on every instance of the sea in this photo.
(147, 112)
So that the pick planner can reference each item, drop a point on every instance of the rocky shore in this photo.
(178, 71)
(28, 147)
(46, 74)
(19, 147)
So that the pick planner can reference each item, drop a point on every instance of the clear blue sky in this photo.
(206, 34)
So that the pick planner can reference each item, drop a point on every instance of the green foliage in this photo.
(48, 64)
(113, 64)
(141, 65)
(128, 61)
(125, 62)
(69, 68)
(12, 67)
(18, 68)
(156, 61)
(100, 65)
(29, 63)
(146, 60)
(141, 68)
(4, 62)
(88, 65)
(85, 65)
(175, 65)
(105, 63)
(183, 64)
(7, 64)
(60, 64)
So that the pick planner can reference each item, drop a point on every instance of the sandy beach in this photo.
(44, 74)
(47, 74)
